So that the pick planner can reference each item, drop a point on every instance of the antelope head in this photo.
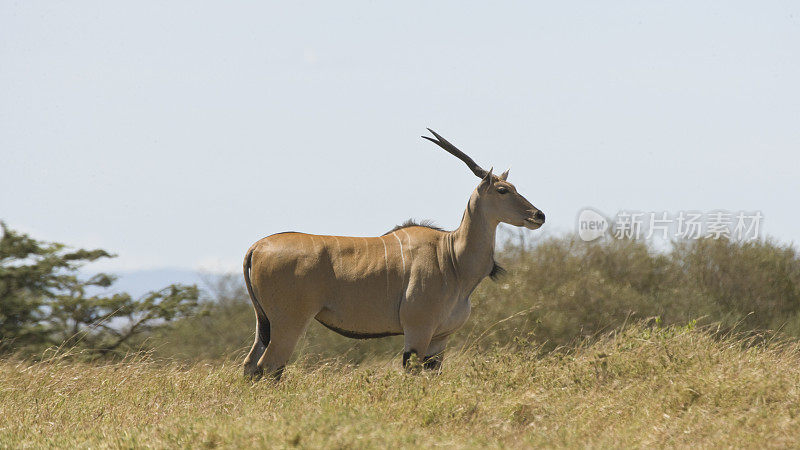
(495, 195)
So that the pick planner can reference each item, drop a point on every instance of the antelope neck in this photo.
(472, 243)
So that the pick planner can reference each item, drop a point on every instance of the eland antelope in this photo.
(414, 280)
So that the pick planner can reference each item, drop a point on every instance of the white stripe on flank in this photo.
(402, 256)
(338, 254)
(386, 260)
(410, 254)
(409, 242)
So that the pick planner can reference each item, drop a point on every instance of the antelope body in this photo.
(415, 280)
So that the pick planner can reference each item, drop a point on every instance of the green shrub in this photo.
(558, 291)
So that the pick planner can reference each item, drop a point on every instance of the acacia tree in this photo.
(44, 301)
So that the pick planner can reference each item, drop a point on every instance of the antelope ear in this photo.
(504, 175)
(486, 181)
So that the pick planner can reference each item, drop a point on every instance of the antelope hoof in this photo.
(411, 361)
(433, 362)
(277, 374)
(253, 373)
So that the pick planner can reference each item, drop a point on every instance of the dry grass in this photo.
(643, 387)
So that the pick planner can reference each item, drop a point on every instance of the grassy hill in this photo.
(642, 386)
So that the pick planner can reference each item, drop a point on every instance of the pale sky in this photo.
(175, 134)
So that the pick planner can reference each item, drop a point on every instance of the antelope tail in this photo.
(262, 327)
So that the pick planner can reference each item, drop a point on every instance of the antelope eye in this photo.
(502, 190)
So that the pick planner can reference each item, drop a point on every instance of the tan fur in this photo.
(414, 281)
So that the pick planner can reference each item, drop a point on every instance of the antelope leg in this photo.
(251, 368)
(416, 343)
(284, 335)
